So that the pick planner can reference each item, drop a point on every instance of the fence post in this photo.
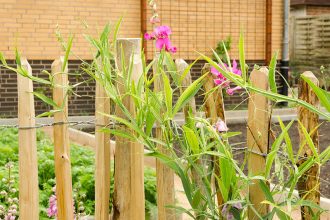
(61, 142)
(165, 175)
(102, 152)
(129, 156)
(214, 110)
(28, 161)
(257, 139)
(309, 183)
(190, 111)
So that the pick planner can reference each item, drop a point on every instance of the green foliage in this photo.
(82, 162)
(221, 48)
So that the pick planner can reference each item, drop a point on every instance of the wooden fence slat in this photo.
(309, 184)
(28, 161)
(165, 175)
(257, 138)
(102, 154)
(190, 111)
(214, 110)
(129, 167)
(61, 143)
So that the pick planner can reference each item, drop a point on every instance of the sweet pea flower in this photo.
(154, 20)
(52, 209)
(161, 35)
(221, 126)
(223, 81)
(231, 91)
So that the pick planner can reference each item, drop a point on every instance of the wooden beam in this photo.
(102, 153)
(27, 141)
(257, 139)
(309, 184)
(129, 167)
(165, 175)
(61, 142)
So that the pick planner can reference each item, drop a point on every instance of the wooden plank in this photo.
(27, 141)
(61, 142)
(257, 139)
(102, 153)
(309, 184)
(214, 111)
(165, 175)
(129, 168)
(190, 111)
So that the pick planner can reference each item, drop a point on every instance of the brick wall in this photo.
(31, 24)
(82, 101)
(200, 25)
(197, 25)
(317, 10)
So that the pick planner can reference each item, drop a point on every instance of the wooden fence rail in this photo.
(129, 197)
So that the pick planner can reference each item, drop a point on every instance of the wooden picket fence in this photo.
(129, 160)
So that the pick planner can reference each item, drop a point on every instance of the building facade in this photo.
(197, 25)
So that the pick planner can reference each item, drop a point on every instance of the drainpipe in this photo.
(285, 49)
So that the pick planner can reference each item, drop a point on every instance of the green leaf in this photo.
(192, 139)
(188, 94)
(168, 93)
(67, 53)
(272, 73)
(325, 155)
(309, 141)
(2, 59)
(186, 71)
(275, 147)
(323, 95)
(18, 58)
(287, 141)
(47, 100)
(242, 56)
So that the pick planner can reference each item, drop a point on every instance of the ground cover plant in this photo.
(82, 160)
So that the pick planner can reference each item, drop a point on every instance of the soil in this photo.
(324, 132)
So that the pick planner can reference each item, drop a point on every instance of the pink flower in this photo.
(10, 217)
(231, 91)
(223, 81)
(154, 20)
(221, 126)
(149, 36)
(52, 209)
(161, 35)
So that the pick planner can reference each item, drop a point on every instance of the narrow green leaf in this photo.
(242, 56)
(192, 139)
(188, 94)
(272, 73)
(2, 59)
(47, 100)
(67, 52)
(275, 147)
(168, 93)
(323, 95)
